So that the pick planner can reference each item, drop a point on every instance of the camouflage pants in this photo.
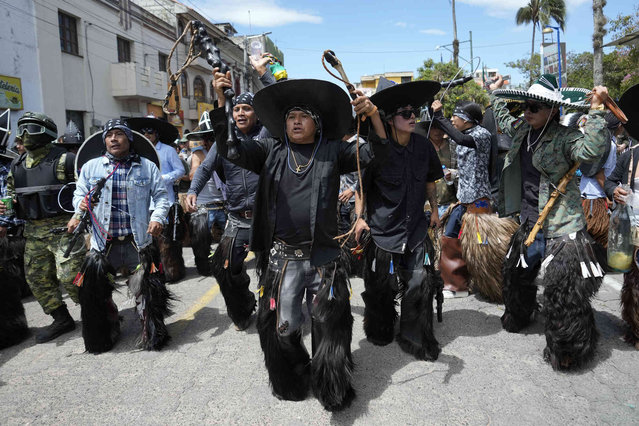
(46, 268)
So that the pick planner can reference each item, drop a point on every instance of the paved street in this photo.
(211, 373)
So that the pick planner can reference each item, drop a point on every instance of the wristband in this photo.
(373, 111)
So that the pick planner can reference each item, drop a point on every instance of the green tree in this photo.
(627, 56)
(538, 13)
(526, 68)
(444, 71)
(580, 66)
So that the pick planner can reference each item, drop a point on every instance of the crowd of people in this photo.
(486, 201)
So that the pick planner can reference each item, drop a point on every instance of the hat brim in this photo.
(414, 93)
(9, 154)
(197, 134)
(629, 104)
(422, 128)
(573, 97)
(326, 99)
(94, 147)
(167, 132)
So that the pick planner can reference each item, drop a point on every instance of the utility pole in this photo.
(472, 62)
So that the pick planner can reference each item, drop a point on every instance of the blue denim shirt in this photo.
(144, 184)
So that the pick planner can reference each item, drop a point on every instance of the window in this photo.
(162, 61)
(406, 79)
(199, 89)
(185, 85)
(68, 33)
(212, 92)
(124, 50)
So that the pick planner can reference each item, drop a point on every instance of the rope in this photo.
(351, 89)
(174, 77)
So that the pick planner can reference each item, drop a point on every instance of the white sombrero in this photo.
(546, 90)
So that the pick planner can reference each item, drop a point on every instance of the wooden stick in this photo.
(560, 189)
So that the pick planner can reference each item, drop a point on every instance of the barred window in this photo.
(68, 33)
(199, 89)
(124, 50)
(162, 61)
(185, 85)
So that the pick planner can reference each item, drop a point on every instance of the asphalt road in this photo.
(211, 373)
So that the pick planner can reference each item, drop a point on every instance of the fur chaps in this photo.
(484, 260)
(170, 244)
(201, 241)
(519, 289)
(417, 316)
(380, 289)
(153, 300)
(100, 321)
(630, 305)
(286, 359)
(240, 301)
(13, 322)
(597, 219)
(332, 363)
(571, 334)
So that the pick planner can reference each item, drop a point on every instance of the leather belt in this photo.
(244, 214)
(284, 251)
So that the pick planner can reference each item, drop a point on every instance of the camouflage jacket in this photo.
(40, 228)
(560, 147)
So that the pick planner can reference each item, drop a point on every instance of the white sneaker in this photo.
(452, 294)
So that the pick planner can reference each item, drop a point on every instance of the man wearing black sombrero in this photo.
(72, 138)
(399, 260)
(625, 172)
(119, 179)
(294, 228)
(542, 153)
(162, 135)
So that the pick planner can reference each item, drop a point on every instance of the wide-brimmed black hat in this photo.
(72, 136)
(390, 95)
(324, 98)
(94, 147)
(629, 104)
(167, 132)
(204, 128)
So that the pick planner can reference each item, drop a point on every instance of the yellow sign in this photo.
(10, 92)
(201, 107)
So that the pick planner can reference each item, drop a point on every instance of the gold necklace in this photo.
(298, 168)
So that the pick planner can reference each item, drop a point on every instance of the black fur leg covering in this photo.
(240, 301)
(13, 322)
(571, 335)
(100, 325)
(630, 305)
(332, 363)
(519, 290)
(170, 245)
(417, 318)
(379, 296)
(353, 263)
(16, 253)
(153, 300)
(286, 359)
(201, 241)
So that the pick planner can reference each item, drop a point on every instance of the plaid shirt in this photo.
(120, 224)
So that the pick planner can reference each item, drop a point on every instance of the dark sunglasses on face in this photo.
(147, 131)
(533, 107)
(407, 113)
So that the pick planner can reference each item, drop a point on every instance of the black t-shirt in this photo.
(293, 219)
(396, 194)
(530, 177)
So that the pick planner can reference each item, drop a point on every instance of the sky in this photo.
(371, 37)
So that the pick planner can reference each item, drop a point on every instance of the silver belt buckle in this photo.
(299, 253)
(121, 237)
(273, 251)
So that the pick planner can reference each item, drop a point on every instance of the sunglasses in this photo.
(33, 129)
(147, 131)
(407, 113)
(533, 107)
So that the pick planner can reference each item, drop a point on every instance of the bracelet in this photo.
(373, 111)
(598, 108)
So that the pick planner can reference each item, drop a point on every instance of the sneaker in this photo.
(452, 294)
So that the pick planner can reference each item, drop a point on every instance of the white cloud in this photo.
(263, 13)
(433, 31)
(506, 9)
(401, 24)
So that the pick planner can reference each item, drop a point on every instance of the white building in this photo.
(93, 60)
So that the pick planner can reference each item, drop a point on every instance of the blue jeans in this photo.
(453, 226)
(217, 217)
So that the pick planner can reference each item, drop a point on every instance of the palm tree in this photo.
(599, 21)
(455, 41)
(538, 13)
